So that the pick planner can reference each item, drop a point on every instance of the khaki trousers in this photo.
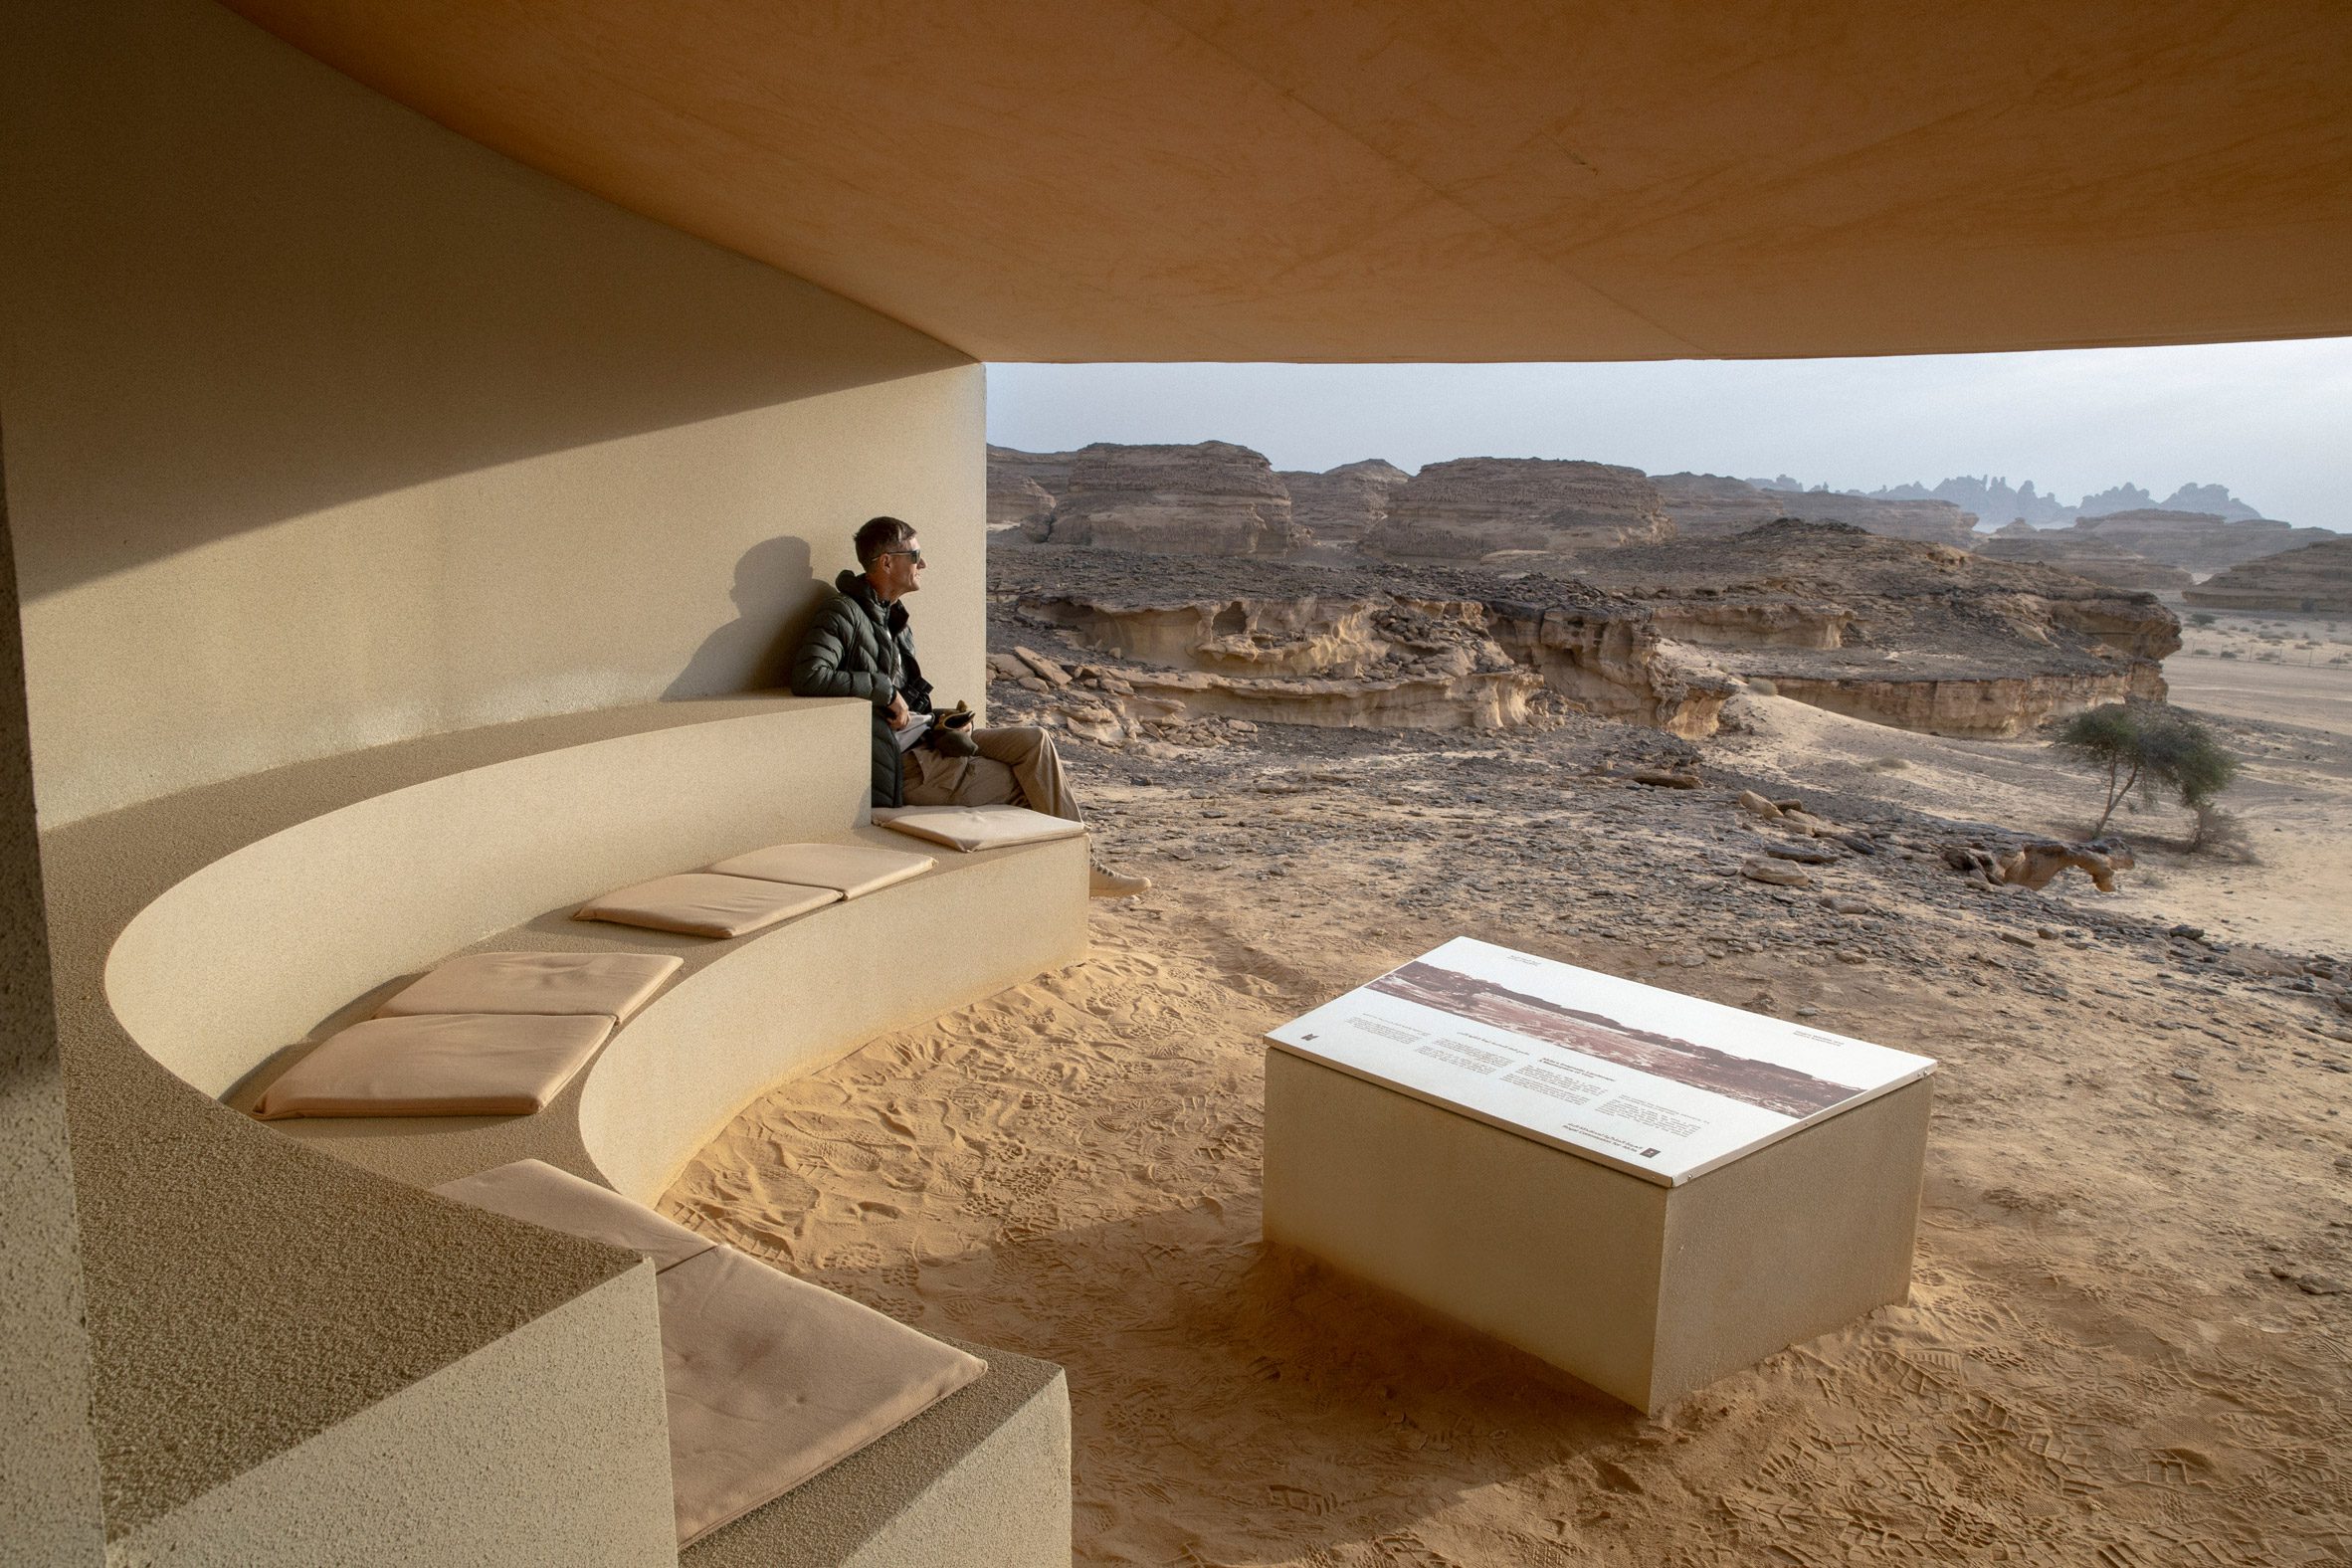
(1017, 767)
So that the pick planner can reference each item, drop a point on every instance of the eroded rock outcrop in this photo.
(1936, 522)
(1472, 509)
(1713, 505)
(1016, 502)
(2198, 541)
(2083, 554)
(1269, 641)
(1047, 470)
(1342, 505)
(1918, 635)
(1209, 498)
(2314, 579)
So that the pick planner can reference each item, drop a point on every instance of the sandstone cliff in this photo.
(2198, 541)
(1210, 499)
(2314, 579)
(1342, 504)
(1406, 647)
(1915, 635)
(1938, 522)
(2083, 554)
(1047, 470)
(1014, 500)
(1713, 505)
(1474, 508)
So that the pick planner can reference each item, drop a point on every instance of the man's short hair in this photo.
(880, 537)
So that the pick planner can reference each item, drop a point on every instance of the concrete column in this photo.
(49, 1481)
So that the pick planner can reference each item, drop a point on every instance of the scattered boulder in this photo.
(1778, 874)
(2035, 863)
(1756, 805)
(1045, 668)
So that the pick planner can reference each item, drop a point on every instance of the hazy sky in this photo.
(2273, 421)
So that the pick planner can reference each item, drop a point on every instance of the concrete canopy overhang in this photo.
(1473, 181)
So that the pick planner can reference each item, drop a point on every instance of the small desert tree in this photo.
(2150, 748)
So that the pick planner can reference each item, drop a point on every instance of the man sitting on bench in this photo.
(860, 645)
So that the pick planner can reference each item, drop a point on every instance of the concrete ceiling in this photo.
(1443, 179)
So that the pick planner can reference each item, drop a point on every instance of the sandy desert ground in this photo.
(2127, 1341)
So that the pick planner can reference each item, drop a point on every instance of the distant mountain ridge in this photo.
(1997, 503)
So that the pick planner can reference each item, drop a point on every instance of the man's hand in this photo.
(897, 714)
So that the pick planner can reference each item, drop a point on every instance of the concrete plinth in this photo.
(1643, 1290)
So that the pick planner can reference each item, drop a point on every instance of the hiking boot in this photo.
(1103, 883)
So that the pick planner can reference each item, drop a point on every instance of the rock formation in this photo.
(1937, 521)
(1047, 470)
(1712, 506)
(2085, 554)
(2314, 579)
(2198, 541)
(1473, 508)
(1210, 499)
(1016, 501)
(1919, 636)
(1406, 647)
(1342, 504)
(1991, 498)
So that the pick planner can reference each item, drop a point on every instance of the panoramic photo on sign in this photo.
(1662, 1086)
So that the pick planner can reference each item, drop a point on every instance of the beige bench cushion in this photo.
(853, 869)
(978, 827)
(772, 1380)
(701, 903)
(535, 1191)
(612, 984)
(441, 1064)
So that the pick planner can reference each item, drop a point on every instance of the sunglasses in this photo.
(914, 555)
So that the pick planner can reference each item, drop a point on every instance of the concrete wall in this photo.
(327, 428)
(48, 1500)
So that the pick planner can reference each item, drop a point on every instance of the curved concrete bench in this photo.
(224, 924)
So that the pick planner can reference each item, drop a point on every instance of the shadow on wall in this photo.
(775, 593)
(267, 292)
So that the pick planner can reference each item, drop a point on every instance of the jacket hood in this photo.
(854, 586)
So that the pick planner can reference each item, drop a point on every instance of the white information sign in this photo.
(1662, 1086)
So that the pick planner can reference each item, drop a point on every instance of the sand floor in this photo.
(2127, 1344)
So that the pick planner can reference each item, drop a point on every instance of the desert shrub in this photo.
(2202, 618)
(2221, 833)
(1886, 764)
(2227, 652)
(2200, 653)
(2267, 657)
(2148, 749)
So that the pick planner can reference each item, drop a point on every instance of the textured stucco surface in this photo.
(329, 428)
(1644, 1291)
(1487, 179)
(49, 1505)
(547, 1449)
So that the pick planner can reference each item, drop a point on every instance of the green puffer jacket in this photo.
(860, 646)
